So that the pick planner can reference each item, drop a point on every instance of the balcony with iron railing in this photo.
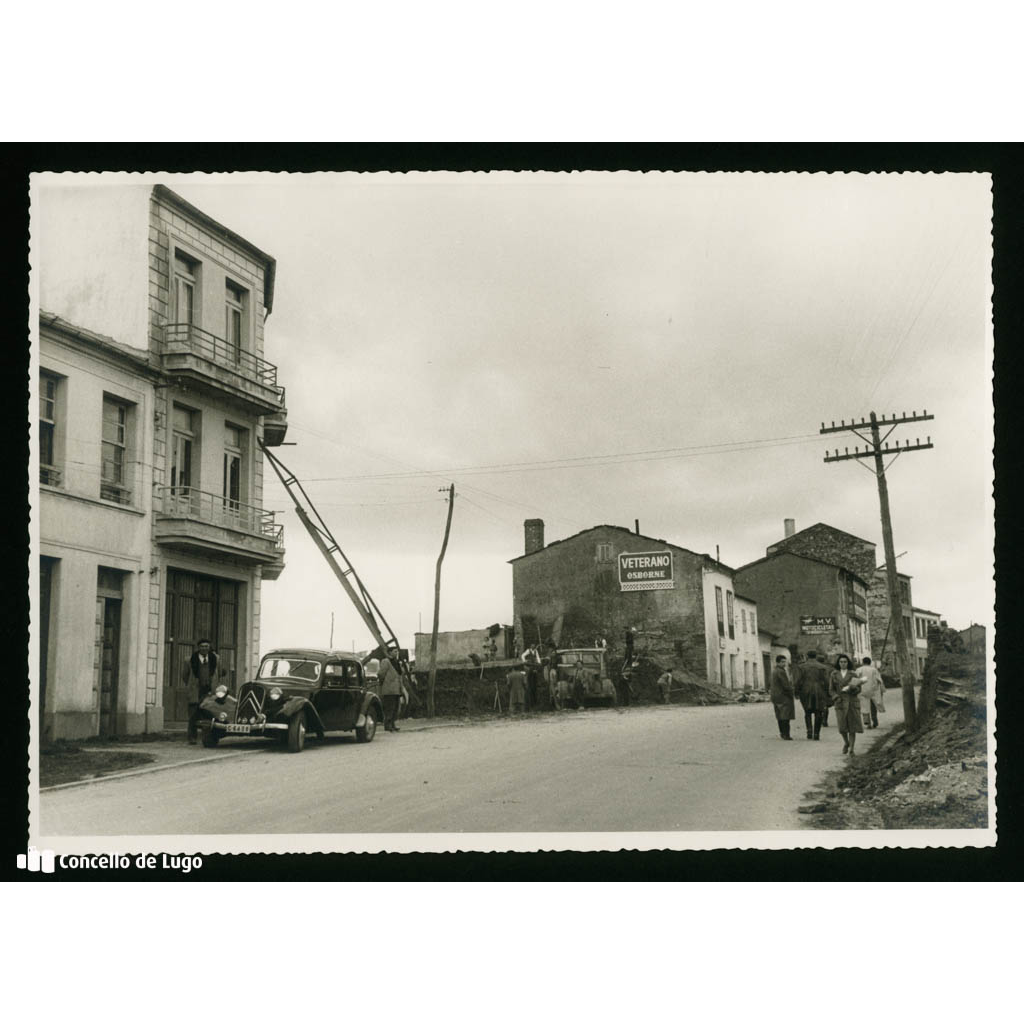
(198, 521)
(212, 362)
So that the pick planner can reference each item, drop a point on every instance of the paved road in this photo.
(647, 769)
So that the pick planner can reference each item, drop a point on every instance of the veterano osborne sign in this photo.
(646, 570)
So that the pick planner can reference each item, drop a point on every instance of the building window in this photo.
(730, 615)
(236, 315)
(48, 471)
(904, 592)
(114, 466)
(604, 553)
(186, 288)
(743, 619)
(234, 443)
(182, 439)
(721, 614)
(753, 624)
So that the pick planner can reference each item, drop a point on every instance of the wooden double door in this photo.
(197, 607)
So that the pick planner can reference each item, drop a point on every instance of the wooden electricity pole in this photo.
(431, 679)
(877, 452)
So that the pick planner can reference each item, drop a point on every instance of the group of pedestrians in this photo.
(819, 690)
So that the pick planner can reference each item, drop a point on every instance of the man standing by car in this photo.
(390, 693)
(198, 675)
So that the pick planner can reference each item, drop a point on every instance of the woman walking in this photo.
(844, 687)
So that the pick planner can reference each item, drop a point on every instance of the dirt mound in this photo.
(935, 777)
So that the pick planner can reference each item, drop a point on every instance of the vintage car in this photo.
(593, 665)
(296, 691)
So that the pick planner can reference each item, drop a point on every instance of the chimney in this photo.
(636, 527)
(533, 529)
(790, 526)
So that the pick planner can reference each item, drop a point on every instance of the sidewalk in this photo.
(174, 750)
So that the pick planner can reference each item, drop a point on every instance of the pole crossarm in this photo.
(883, 421)
(869, 453)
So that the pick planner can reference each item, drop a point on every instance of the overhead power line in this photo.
(587, 461)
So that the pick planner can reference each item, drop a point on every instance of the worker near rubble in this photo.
(531, 664)
(812, 690)
(782, 693)
(872, 689)
(665, 685)
(579, 684)
(844, 686)
(390, 681)
(552, 679)
(516, 682)
(624, 684)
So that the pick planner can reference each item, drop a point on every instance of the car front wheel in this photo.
(365, 733)
(210, 738)
(297, 733)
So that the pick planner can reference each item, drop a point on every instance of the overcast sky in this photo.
(596, 348)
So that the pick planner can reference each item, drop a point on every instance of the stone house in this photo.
(837, 547)
(153, 392)
(492, 643)
(605, 580)
(809, 604)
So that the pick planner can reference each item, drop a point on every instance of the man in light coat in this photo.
(390, 681)
(873, 689)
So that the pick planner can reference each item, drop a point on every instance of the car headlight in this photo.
(221, 692)
(222, 717)
(275, 693)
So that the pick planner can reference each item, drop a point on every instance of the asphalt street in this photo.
(646, 769)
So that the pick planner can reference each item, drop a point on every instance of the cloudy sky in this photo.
(596, 348)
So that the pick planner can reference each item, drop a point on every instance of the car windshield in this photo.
(295, 668)
(590, 659)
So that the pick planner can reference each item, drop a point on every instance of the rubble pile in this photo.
(934, 777)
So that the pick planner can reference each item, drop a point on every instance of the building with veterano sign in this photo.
(597, 584)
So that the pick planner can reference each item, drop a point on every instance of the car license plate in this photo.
(238, 727)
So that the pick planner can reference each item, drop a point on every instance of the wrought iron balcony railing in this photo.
(192, 339)
(216, 510)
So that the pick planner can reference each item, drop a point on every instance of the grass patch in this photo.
(64, 762)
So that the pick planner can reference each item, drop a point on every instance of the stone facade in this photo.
(790, 589)
(828, 544)
(568, 594)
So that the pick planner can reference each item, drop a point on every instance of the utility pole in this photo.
(432, 678)
(876, 452)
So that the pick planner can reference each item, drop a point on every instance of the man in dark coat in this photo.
(812, 689)
(198, 675)
(782, 696)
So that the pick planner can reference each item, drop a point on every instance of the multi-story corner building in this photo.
(923, 621)
(153, 397)
(605, 580)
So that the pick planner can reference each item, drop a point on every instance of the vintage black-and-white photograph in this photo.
(437, 511)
